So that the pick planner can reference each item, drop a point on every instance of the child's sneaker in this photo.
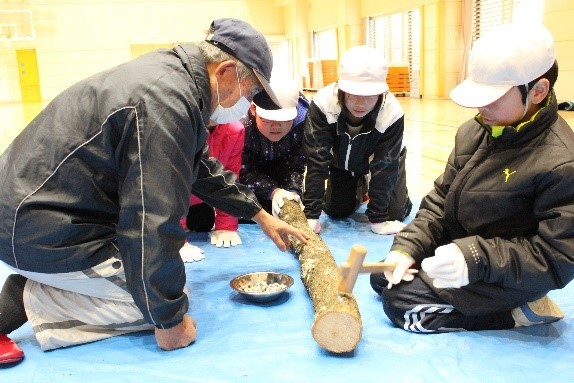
(540, 311)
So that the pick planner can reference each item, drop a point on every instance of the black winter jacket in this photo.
(508, 203)
(328, 143)
(110, 160)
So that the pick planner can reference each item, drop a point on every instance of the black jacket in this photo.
(508, 203)
(376, 149)
(113, 159)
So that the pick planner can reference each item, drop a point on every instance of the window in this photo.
(397, 36)
(489, 13)
(325, 45)
(323, 64)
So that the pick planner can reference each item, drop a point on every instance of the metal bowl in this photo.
(244, 285)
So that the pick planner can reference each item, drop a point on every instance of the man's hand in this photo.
(278, 197)
(448, 267)
(402, 271)
(277, 230)
(181, 335)
(225, 238)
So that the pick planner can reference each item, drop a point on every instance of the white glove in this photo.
(225, 238)
(190, 253)
(279, 196)
(315, 225)
(447, 268)
(402, 271)
(387, 227)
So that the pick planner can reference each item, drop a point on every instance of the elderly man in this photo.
(93, 190)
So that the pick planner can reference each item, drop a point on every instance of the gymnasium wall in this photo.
(77, 38)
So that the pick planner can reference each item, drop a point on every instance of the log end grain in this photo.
(337, 332)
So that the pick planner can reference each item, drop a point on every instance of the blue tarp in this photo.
(240, 341)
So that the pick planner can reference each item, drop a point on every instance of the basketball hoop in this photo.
(16, 25)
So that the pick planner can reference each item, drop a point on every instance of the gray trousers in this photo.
(67, 309)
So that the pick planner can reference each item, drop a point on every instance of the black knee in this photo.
(201, 218)
(408, 209)
(392, 306)
(378, 282)
(12, 312)
(339, 214)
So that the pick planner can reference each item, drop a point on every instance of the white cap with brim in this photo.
(360, 88)
(363, 71)
(506, 56)
(287, 93)
(286, 114)
(472, 94)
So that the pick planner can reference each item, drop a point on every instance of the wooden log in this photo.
(337, 325)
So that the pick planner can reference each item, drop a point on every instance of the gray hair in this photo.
(213, 54)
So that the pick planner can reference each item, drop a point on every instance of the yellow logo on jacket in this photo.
(507, 174)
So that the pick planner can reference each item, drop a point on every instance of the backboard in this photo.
(16, 25)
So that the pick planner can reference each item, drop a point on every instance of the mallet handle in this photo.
(349, 273)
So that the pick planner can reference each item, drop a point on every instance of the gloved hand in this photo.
(448, 267)
(402, 271)
(315, 225)
(387, 227)
(190, 253)
(225, 238)
(278, 200)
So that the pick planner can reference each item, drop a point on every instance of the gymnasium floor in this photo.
(239, 341)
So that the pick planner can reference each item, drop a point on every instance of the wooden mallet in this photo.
(349, 271)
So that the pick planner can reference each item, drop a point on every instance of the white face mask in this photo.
(234, 113)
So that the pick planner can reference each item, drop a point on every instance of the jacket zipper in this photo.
(348, 154)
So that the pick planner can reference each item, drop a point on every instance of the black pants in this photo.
(415, 306)
(346, 192)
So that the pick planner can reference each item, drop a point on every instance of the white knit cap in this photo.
(506, 56)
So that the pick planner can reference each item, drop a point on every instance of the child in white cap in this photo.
(496, 234)
(354, 132)
(273, 162)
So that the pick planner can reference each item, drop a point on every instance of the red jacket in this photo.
(226, 144)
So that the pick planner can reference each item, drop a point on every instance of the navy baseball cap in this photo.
(242, 41)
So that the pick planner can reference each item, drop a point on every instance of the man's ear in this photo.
(540, 90)
(226, 68)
